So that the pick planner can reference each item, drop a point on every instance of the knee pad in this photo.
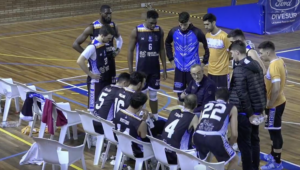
(277, 139)
(152, 95)
(180, 99)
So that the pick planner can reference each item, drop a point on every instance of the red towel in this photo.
(47, 117)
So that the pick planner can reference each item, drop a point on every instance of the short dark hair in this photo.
(222, 93)
(184, 17)
(138, 99)
(236, 33)
(267, 45)
(239, 46)
(136, 78)
(103, 7)
(106, 29)
(209, 17)
(190, 101)
(152, 14)
(124, 77)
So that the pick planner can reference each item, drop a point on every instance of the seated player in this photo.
(104, 107)
(129, 118)
(210, 135)
(179, 127)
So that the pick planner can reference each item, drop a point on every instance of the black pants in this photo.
(248, 142)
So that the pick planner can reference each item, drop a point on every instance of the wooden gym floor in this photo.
(40, 53)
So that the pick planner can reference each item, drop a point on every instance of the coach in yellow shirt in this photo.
(275, 80)
(218, 43)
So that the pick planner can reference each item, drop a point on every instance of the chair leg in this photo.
(173, 168)
(53, 167)
(0, 103)
(105, 155)
(17, 104)
(42, 129)
(62, 134)
(64, 167)
(83, 162)
(44, 165)
(157, 166)
(138, 164)
(118, 159)
(68, 133)
(100, 140)
(32, 125)
(6, 108)
(75, 134)
(89, 142)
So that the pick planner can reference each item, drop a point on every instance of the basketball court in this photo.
(40, 53)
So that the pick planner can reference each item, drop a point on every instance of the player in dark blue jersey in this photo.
(104, 107)
(179, 127)
(210, 135)
(148, 39)
(92, 31)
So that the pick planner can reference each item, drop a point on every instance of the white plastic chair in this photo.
(73, 120)
(159, 147)
(88, 126)
(50, 154)
(10, 91)
(125, 142)
(189, 161)
(108, 127)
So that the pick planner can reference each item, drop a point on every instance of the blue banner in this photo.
(281, 16)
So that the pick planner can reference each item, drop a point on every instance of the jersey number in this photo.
(171, 127)
(150, 47)
(101, 100)
(209, 107)
(105, 61)
(118, 104)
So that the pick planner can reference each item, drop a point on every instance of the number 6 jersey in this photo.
(215, 117)
(176, 130)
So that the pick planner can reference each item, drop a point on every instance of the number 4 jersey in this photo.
(176, 130)
(215, 117)
(105, 103)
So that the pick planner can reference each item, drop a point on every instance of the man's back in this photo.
(215, 117)
(176, 130)
(122, 99)
(105, 102)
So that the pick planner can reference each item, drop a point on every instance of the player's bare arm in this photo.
(163, 55)
(118, 39)
(81, 62)
(81, 38)
(274, 94)
(194, 123)
(131, 48)
(233, 126)
(253, 54)
(142, 130)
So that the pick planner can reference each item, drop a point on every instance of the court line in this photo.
(28, 143)
(65, 30)
(11, 156)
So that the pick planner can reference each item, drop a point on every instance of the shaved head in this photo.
(190, 101)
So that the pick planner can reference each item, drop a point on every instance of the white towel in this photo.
(32, 156)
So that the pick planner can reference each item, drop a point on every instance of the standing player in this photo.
(186, 39)
(218, 43)
(275, 80)
(148, 39)
(238, 34)
(95, 53)
(210, 135)
(183, 122)
(93, 30)
(104, 107)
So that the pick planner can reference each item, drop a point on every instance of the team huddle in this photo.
(212, 104)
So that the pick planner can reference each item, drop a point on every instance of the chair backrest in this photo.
(36, 109)
(48, 149)
(188, 161)
(87, 122)
(108, 127)
(72, 116)
(23, 89)
(7, 86)
(160, 147)
(125, 140)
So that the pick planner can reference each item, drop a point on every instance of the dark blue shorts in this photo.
(152, 82)
(181, 80)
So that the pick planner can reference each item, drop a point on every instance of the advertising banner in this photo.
(281, 16)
